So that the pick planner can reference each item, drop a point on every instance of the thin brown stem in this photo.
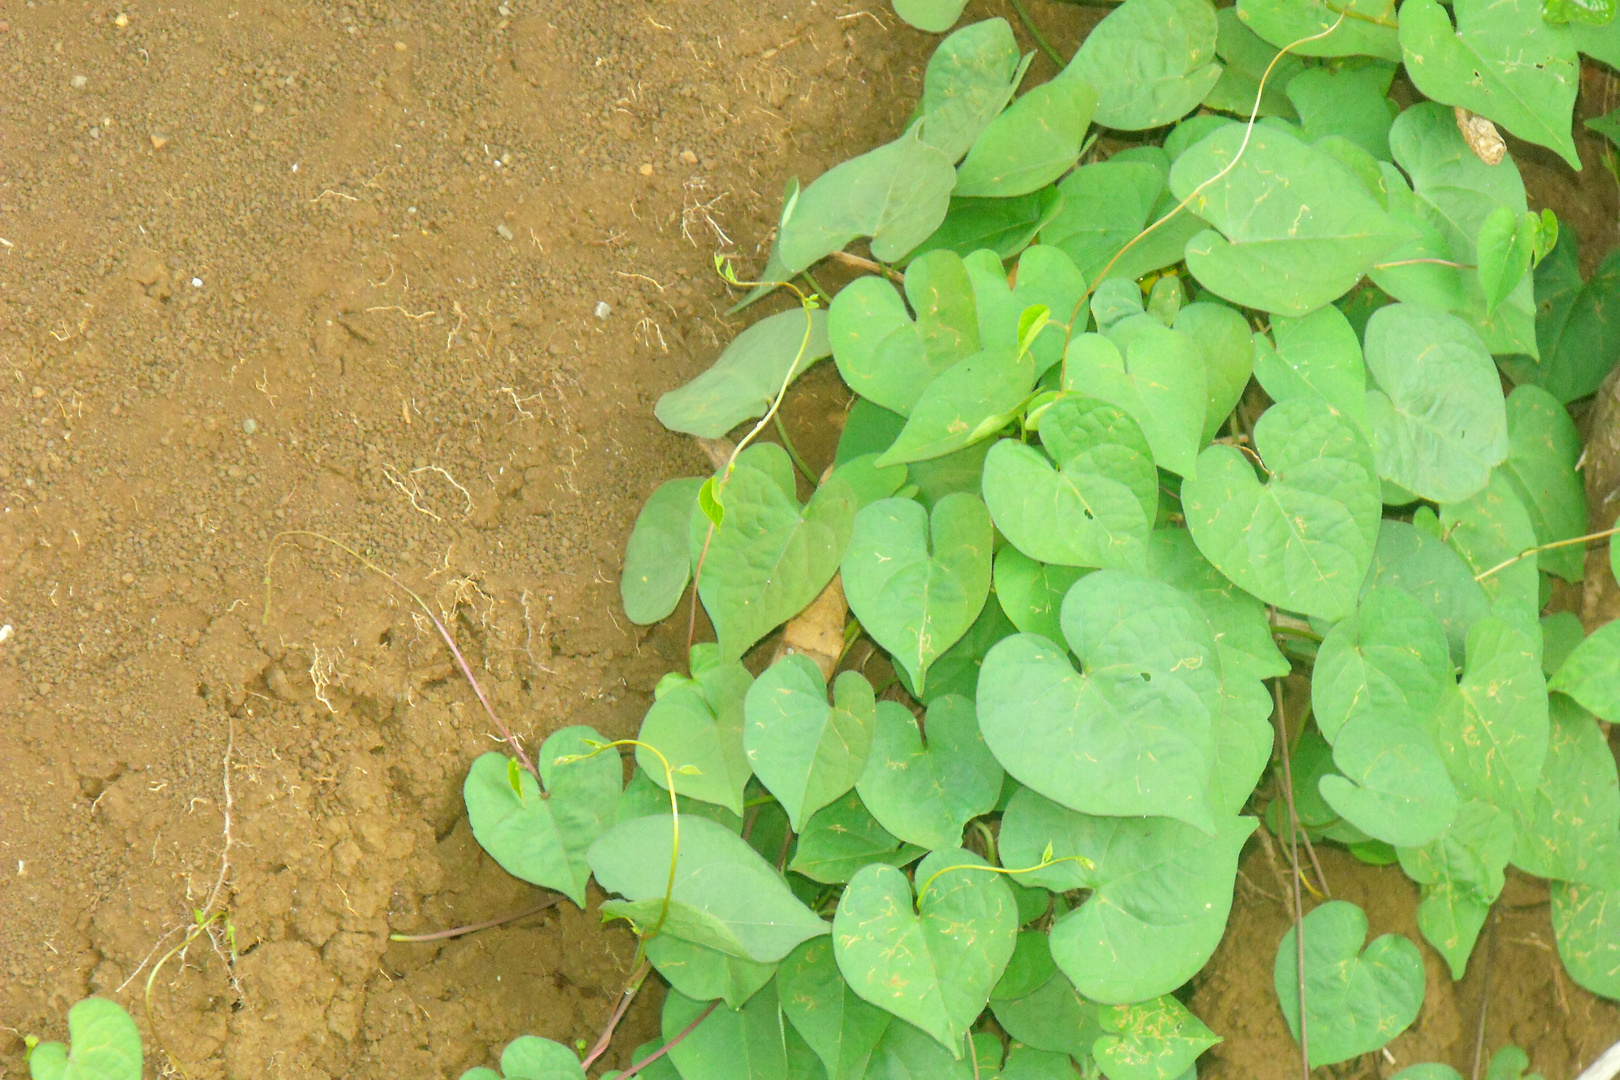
(631, 988)
(1293, 860)
(442, 935)
(867, 264)
(1484, 997)
(1539, 548)
(662, 1050)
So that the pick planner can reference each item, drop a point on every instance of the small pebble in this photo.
(5, 631)
(38, 392)
(121, 20)
(504, 230)
(159, 140)
(80, 81)
(196, 283)
(258, 108)
(688, 158)
(250, 425)
(128, 579)
(602, 309)
(503, 11)
(646, 168)
(400, 46)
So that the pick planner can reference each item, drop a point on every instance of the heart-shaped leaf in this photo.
(1461, 875)
(1161, 893)
(771, 557)
(1591, 675)
(1155, 375)
(1152, 61)
(697, 725)
(1502, 61)
(968, 81)
(1318, 356)
(1045, 277)
(841, 838)
(749, 374)
(925, 794)
(725, 896)
(915, 580)
(1095, 506)
(930, 16)
(1031, 593)
(1297, 229)
(656, 567)
(1426, 569)
(1002, 226)
(1438, 419)
(866, 196)
(1320, 28)
(1489, 529)
(543, 838)
(1035, 1003)
(883, 354)
(804, 750)
(729, 1044)
(1348, 101)
(970, 401)
(1151, 1040)
(529, 1057)
(1130, 735)
(1543, 451)
(907, 1053)
(1356, 999)
(1390, 656)
(1494, 730)
(840, 1027)
(703, 974)
(1032, 143)
(105, 1046)
(932, 964)
(1586, 922)
(1107, 205)
(1394, 785)
(1304, 539)
(1224, 337)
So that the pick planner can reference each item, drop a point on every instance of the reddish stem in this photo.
(548, 902)
(662, 1050)
(631, 988)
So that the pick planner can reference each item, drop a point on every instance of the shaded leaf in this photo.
(702, 973)
(1572, 830)
(1031, 593)
(1317, 356)
(1494, 730)
(841, 838)
(1591, 675)
(1107, 205)
(1424, 567)
(1543, 450)
(749, 374)
(1152, 61)
(842, 1029)
(926, 793)
(729, 1044)
(656, 567)
(1003, 226)
(1034, 141)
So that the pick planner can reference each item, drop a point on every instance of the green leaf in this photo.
(749, 374)
(656, 567)
(1317, 27)
(1592, 12)
(1439, 422)
(1035, 141)
(841, 838)
(1348, 101)
(643, 798)
(1237, 620)
(969, 80)
(1543, 450)
(772, 557)
(1501, 61)
(868, 429)
(1002, 226)
(697, 725)
(1028, 1063)
(543, 839)
(725, 896)
(1505, 245)
(1161, 892)
(842, 1029)
(1356, 999)
(1560, 633)
(105, 1046)
(896, 194)
(729, 1044)
(1317, 356)
(907, 1053)
(917, 581)
(1107, 205)
(702, 973)
(957, 669)
(1031, 593)
(1247, 57)
(1421, 565)
(925, 794)
(930, 16)
(1297, 228)
(1089, 500)
(529, 1057)
(1576, 330)
(1428, 1071)
(1151, 1040)
(932, 964)
(1036, 1004)
(1494, 730)
(1304, 539)
(1461, 875)
(1152, 62)
(970, 401)
(1129, 736)
(1155, 375)
(1487, 530)
(1394, 786)
(1591, 675)
(1586, 922)
(1223, 336)
(1046, 277)
(804, 750)
(1572, 831)
(1390, 656)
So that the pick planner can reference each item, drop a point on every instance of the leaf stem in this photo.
(441, 935)
(632, 987)
(1293, 859)
(1423, 262)
(868, 264)
(667, 1047)
(1527, 552)
(1039, 39)
(793, 451)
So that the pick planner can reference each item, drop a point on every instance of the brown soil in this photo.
(335, 267)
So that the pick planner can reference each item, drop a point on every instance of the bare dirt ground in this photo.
(338, 267)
